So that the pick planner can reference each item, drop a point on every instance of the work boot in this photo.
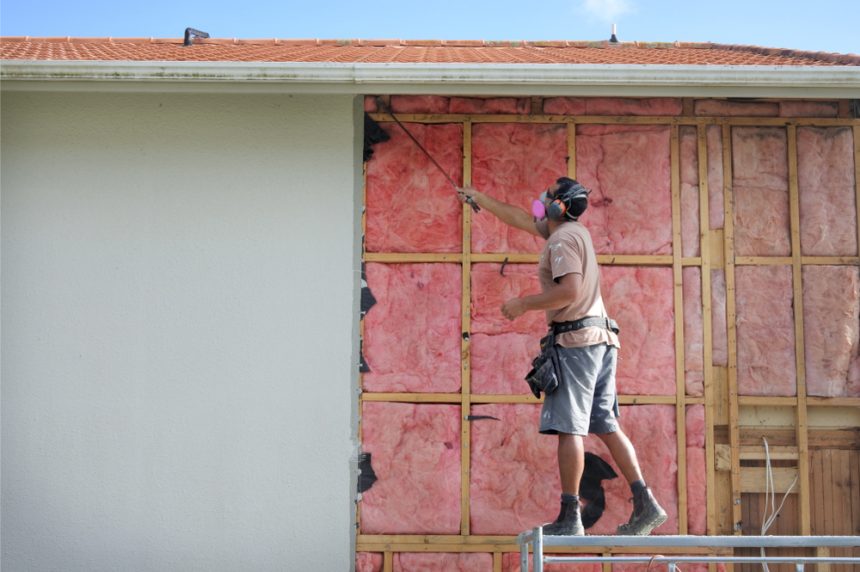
(647, 515)
(568, 523)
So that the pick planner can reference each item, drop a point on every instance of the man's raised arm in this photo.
(508, 214)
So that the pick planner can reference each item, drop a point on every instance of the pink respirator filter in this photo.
(538, 209)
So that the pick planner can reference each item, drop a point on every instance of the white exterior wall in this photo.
(179, 308)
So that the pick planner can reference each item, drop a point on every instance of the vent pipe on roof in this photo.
(191, 32)
(614, 38)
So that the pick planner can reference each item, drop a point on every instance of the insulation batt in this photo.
(641, 300)
(611, 106)
(765, 325)
(760, 185)
(831, 318)
(714, 139)
(628, 168)
(514, 469)
(410, 206)
(412, 334)
(368, 562)
(419, 104)
(694, 327)
(825, 180)
(502, 350)
(736, 108)
(370, 104)
(416, 457)
(514, 163)
(511, 563)
(808, 109)
(442, 562)
(697, 477)
(689, 163)
(476, 105)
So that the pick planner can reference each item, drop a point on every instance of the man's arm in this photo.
(559, 296)
(508, 214)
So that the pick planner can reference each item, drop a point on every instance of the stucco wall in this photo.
(178, 337)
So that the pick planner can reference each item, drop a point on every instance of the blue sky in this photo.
(819, 25)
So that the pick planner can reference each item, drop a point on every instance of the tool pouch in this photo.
(546, 371)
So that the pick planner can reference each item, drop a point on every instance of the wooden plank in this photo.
(753, 479)
(732, 369)
(635, 259)
(497, 562)
(717, 247)
(412, 397)
(678, 286)
(465, 341)
(387, 561)
(833, 401)
(857, 181)
(485, 399)
(617, 119)
(720, 404)
(767, 401)
(854, 487)
(571, 150)
(799, 351)
(706, 247)
(524, 257)
(778, 453)
(829, 260)
(819, 511)
(412, 257)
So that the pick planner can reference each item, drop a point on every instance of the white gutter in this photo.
(452, 79)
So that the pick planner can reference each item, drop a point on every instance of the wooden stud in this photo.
(618, 119)
(788, 260)
(523, 257)
(707, 333)
(466, 320)
(833, 401)
(387, 561)
(678, 287)
(857, 181)
(571, 150)
(732, 370)
(800, 357)
(763, 261)
(412, 257)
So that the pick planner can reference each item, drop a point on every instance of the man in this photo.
(585, 400)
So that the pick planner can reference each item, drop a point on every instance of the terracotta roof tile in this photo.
(410, 51)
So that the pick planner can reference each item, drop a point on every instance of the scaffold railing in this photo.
(683, 548)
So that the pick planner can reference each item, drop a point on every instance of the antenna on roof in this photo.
(614, 38)
(189, 32)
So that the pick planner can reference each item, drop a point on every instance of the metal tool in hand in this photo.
(471, 202)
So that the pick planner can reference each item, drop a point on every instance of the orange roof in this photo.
(410, 51)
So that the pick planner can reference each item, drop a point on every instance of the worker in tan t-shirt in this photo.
(585, 400)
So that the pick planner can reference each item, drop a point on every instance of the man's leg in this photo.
(571, 462)
(623, 453)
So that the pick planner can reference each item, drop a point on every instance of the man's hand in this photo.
(513, 308)
(465, 193)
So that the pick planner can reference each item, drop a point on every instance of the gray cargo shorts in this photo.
(585, 400)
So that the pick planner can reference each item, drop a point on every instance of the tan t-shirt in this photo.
(569, 251)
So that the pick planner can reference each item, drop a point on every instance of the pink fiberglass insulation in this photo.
(370, 104)
(410, 205)
(825, 181)
(514, 470)
(416, 457)
(697, 475)
(511, 563)
(412, 334)
(760, 170)
(765, 326)
(736, 108)
(627, 169)
(689, 163)
(442, 562)
(611, 106)
(719, 326)
(641, 300)
(694, 365)
(714, 139)
(419, 104)
(368, 562)
(474, 105)
(514, 163)
(808, 109)
(500, 362)
(831, 318)
(502, 350)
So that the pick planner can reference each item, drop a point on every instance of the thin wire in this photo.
(469, 200)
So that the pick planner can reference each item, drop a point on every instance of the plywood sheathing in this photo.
(721, 412)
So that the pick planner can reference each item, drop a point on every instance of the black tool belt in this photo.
(587, 322)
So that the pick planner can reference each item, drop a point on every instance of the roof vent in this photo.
(614, 38)
(191, 33)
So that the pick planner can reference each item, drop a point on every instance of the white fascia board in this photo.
(450, 79)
